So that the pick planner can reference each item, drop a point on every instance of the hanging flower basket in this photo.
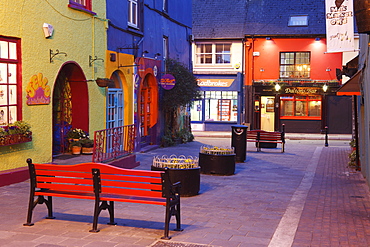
(217, 160)
(181, 168)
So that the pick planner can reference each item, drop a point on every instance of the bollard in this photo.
(326, 136)
(239, 142)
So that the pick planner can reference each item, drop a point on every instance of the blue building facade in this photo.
(141, 35)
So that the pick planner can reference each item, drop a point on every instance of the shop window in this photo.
(213, 54)
(82, 5)
(295, 65)
(304, 107)
(133, 13)
(196, 110)
(10, 107)
(221, 105)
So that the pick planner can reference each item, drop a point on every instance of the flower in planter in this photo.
(174, 162)
(217, 150)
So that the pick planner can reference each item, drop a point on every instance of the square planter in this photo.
(217, 161)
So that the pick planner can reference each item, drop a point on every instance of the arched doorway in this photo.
(148, 110)
(70, 105)
(116, 101)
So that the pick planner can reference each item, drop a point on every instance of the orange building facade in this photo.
(293, 81)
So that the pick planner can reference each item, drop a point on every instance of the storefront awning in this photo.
(352, 86)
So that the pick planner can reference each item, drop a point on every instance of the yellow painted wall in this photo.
(76, 33)
(126, 75)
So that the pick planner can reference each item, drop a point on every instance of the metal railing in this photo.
(110, 144)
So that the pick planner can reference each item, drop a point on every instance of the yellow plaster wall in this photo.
(126, 75)
(76, 33)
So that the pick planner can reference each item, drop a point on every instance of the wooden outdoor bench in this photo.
(105, 184)
(263, 138)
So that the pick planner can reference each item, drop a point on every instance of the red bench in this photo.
(105, 184)
(264, 138)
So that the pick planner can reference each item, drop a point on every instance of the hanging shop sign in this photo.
(38, 90)
(168, 81)
(339, 25)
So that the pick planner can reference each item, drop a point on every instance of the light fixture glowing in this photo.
(277, 87)
(325, 88)
(268, 38)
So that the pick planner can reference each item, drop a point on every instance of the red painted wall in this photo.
(268, 58)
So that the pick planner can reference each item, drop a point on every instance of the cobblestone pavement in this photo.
(304, 197)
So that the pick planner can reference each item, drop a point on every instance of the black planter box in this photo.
(189, 178)
(217, 164)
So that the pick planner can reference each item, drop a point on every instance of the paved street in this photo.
(304, 197)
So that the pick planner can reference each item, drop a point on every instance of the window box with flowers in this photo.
(16, 133)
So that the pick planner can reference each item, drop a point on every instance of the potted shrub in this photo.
(76, 134)
(76, 147)
(217, 160)
(181, 168)
(87, 146)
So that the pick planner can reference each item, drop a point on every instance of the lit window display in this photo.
(308, 107)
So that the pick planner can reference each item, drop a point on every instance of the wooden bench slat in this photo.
(149, 186)
(133, 192)
(74, 194)
(55, 173)
(132, 199)
(119, 177)
(64, 186)
(64, 180)
(261, 136)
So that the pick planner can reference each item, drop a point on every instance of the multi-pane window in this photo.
(9, 82)
(133, 13)
(221, 105)
(218, 53)
(300, 107)
(295, 65)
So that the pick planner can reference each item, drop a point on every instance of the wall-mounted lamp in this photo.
(317, 39)
(262, 69)
(144, 53)
(268, 38)
(277, 87)
(92, 60)
(156, 55)
(325, 88)
(328, 69)
(52, 54)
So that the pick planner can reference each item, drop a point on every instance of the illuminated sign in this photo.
(215, 82)
(301, 90)
(168, 81)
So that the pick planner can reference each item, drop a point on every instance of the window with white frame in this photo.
(295, 65)
(10, 88)
(213, 53)
(133, 13)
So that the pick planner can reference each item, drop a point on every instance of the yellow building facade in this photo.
(51, 53)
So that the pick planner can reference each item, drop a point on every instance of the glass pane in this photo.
(3, 73)
(3, 94)
(12, 95)
(211, 112)
(314, 108)
(4, 53)
(300, 108)
(206, 48)
(286, 108)
(12, 50)
(12, 75)
(134, 13)
(12, 114)
(196, 111)
(3, 116)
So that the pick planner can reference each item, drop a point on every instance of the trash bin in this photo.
(239, 141)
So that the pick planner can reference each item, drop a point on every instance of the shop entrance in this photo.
(70, 105)
(148, 110)
(267, 113)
